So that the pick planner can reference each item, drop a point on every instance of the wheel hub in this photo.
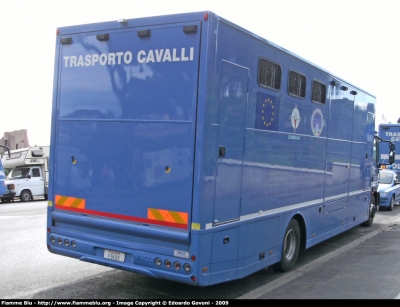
(372, 210)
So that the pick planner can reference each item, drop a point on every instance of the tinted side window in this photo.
(318, 92)
(297, 84)
(35, 172)
(269, 74)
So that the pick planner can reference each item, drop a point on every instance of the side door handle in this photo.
(221, 151)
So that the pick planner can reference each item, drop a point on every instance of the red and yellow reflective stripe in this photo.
(71, 202)
(167, 216)
(154, 216)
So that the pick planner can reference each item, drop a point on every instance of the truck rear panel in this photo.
(123, 140)
(141, 88)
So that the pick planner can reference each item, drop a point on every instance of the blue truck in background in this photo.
(391, 132)
(208, 153)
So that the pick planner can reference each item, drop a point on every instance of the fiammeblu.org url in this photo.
(73, 303)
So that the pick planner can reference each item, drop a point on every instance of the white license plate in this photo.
(114, 255)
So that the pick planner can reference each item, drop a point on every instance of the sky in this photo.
(356, 40)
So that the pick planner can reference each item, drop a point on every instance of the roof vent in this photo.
(190, 29)
(103, 37)
(66, 41)
(144, 33)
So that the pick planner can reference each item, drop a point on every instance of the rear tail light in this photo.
(158, 261)
(168, 263)
(177, 265)
(60, 241)
(187, 267)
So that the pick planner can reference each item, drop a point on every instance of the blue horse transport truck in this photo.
(209, 152)
(391, 132)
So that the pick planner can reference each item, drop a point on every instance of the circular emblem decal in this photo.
(295, 118)
(317, 122)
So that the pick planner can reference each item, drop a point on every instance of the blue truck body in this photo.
(173, 160)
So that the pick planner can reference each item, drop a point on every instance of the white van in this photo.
(29, 171)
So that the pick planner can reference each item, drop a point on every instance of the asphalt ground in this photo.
(366, 268)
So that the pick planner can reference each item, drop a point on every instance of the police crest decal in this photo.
(317, 122)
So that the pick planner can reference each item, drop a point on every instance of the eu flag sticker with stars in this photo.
(267, 112)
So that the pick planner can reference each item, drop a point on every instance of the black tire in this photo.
(290, 247)
(371, 213)
(25, 195)
(391, 206)
(46, 196)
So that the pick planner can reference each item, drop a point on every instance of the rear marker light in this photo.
(187, 267)
(66, 242)
(177, 265)
(52, 240)
(158, 261)
(167, 263)
(59, 240)
(73, 244)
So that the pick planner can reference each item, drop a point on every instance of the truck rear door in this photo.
(126, 123)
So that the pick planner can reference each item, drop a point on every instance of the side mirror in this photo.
(392, 146)
(28, 176)
(391, 157)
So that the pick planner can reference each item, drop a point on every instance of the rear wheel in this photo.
(391, 206)
(25, 195)
(290, 247)
(6, 200)
(371, 213)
